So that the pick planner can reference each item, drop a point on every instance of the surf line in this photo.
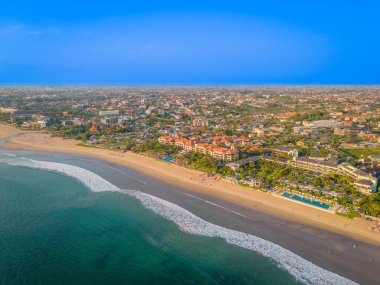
(216, 205)
(303, 270)
(113, 168)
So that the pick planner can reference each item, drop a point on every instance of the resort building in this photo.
(368, 137)
(109, 113)
(217, 152)
(41, 124)
(374, 158)
(352, 171)
(345, 131)
(365, 186)
(110, 120)
(364, 182)
(23, 115)
(254, 183)
(324, 124)
(188, 145)
(7, 110)
(282, 150)
(67, 122)
(200, 123)
(221, 153)
(314, 165)
(236, 164)
(165, 139)
(201, 148)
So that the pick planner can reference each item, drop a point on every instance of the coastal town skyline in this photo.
(307, 153)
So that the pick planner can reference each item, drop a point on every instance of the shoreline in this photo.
(187, 178)
(337, 252)
(330, 251)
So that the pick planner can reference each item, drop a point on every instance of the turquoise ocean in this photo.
(55, 230)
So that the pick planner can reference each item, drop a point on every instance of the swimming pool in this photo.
(168, 159)
(306, 200)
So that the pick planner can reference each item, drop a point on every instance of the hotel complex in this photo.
(216, 152)
(319, 142)
(364, 182)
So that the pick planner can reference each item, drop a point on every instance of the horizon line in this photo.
(235, 85)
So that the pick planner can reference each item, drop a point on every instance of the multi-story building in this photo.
(282, 150)
(214, 151)
(364, 182)
(109, 113)
(165, 139)
(345, 131)
(200, 123)
(110, 120)
(7, 110)
(314, 165)
(365, 186)
(254, 183)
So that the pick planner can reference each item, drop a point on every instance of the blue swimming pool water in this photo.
(306, 200)
(168, 159)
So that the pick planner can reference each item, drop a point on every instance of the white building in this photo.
(109, 113)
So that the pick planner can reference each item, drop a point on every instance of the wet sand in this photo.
(356, 260)
(189, 179)
(335, 243)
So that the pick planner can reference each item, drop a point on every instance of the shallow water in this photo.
(55, 231)
(275, 255)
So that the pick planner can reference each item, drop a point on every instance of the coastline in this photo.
(186, 178)
(342, 252)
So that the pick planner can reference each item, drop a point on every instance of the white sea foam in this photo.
(88, 178)
(9, 154)
(303, 270)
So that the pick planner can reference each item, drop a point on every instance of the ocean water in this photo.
(62, 224)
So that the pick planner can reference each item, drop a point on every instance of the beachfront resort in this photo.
(319, 146)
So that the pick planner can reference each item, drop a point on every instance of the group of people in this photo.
(116, 154)
(376, 227)
(205, 179)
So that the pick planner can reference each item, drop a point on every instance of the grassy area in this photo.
(244, 185)
(344, 215)
(93, 146)
(361, 152)
(86, 145)
(350, 215)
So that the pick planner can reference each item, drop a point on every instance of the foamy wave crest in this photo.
(94, 182)
(9, 154)
(303, 270)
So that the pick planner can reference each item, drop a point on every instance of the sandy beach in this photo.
(190, 179)
(338, 244)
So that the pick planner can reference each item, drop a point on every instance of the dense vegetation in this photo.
(154, 147)
(358, 153)
(371, 204)
(311, 116)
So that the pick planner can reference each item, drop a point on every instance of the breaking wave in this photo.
(9, 154)
(303, 270)
(88, 178)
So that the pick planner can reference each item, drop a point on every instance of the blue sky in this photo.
(189, 42)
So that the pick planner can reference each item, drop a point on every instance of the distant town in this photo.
(313, 145)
